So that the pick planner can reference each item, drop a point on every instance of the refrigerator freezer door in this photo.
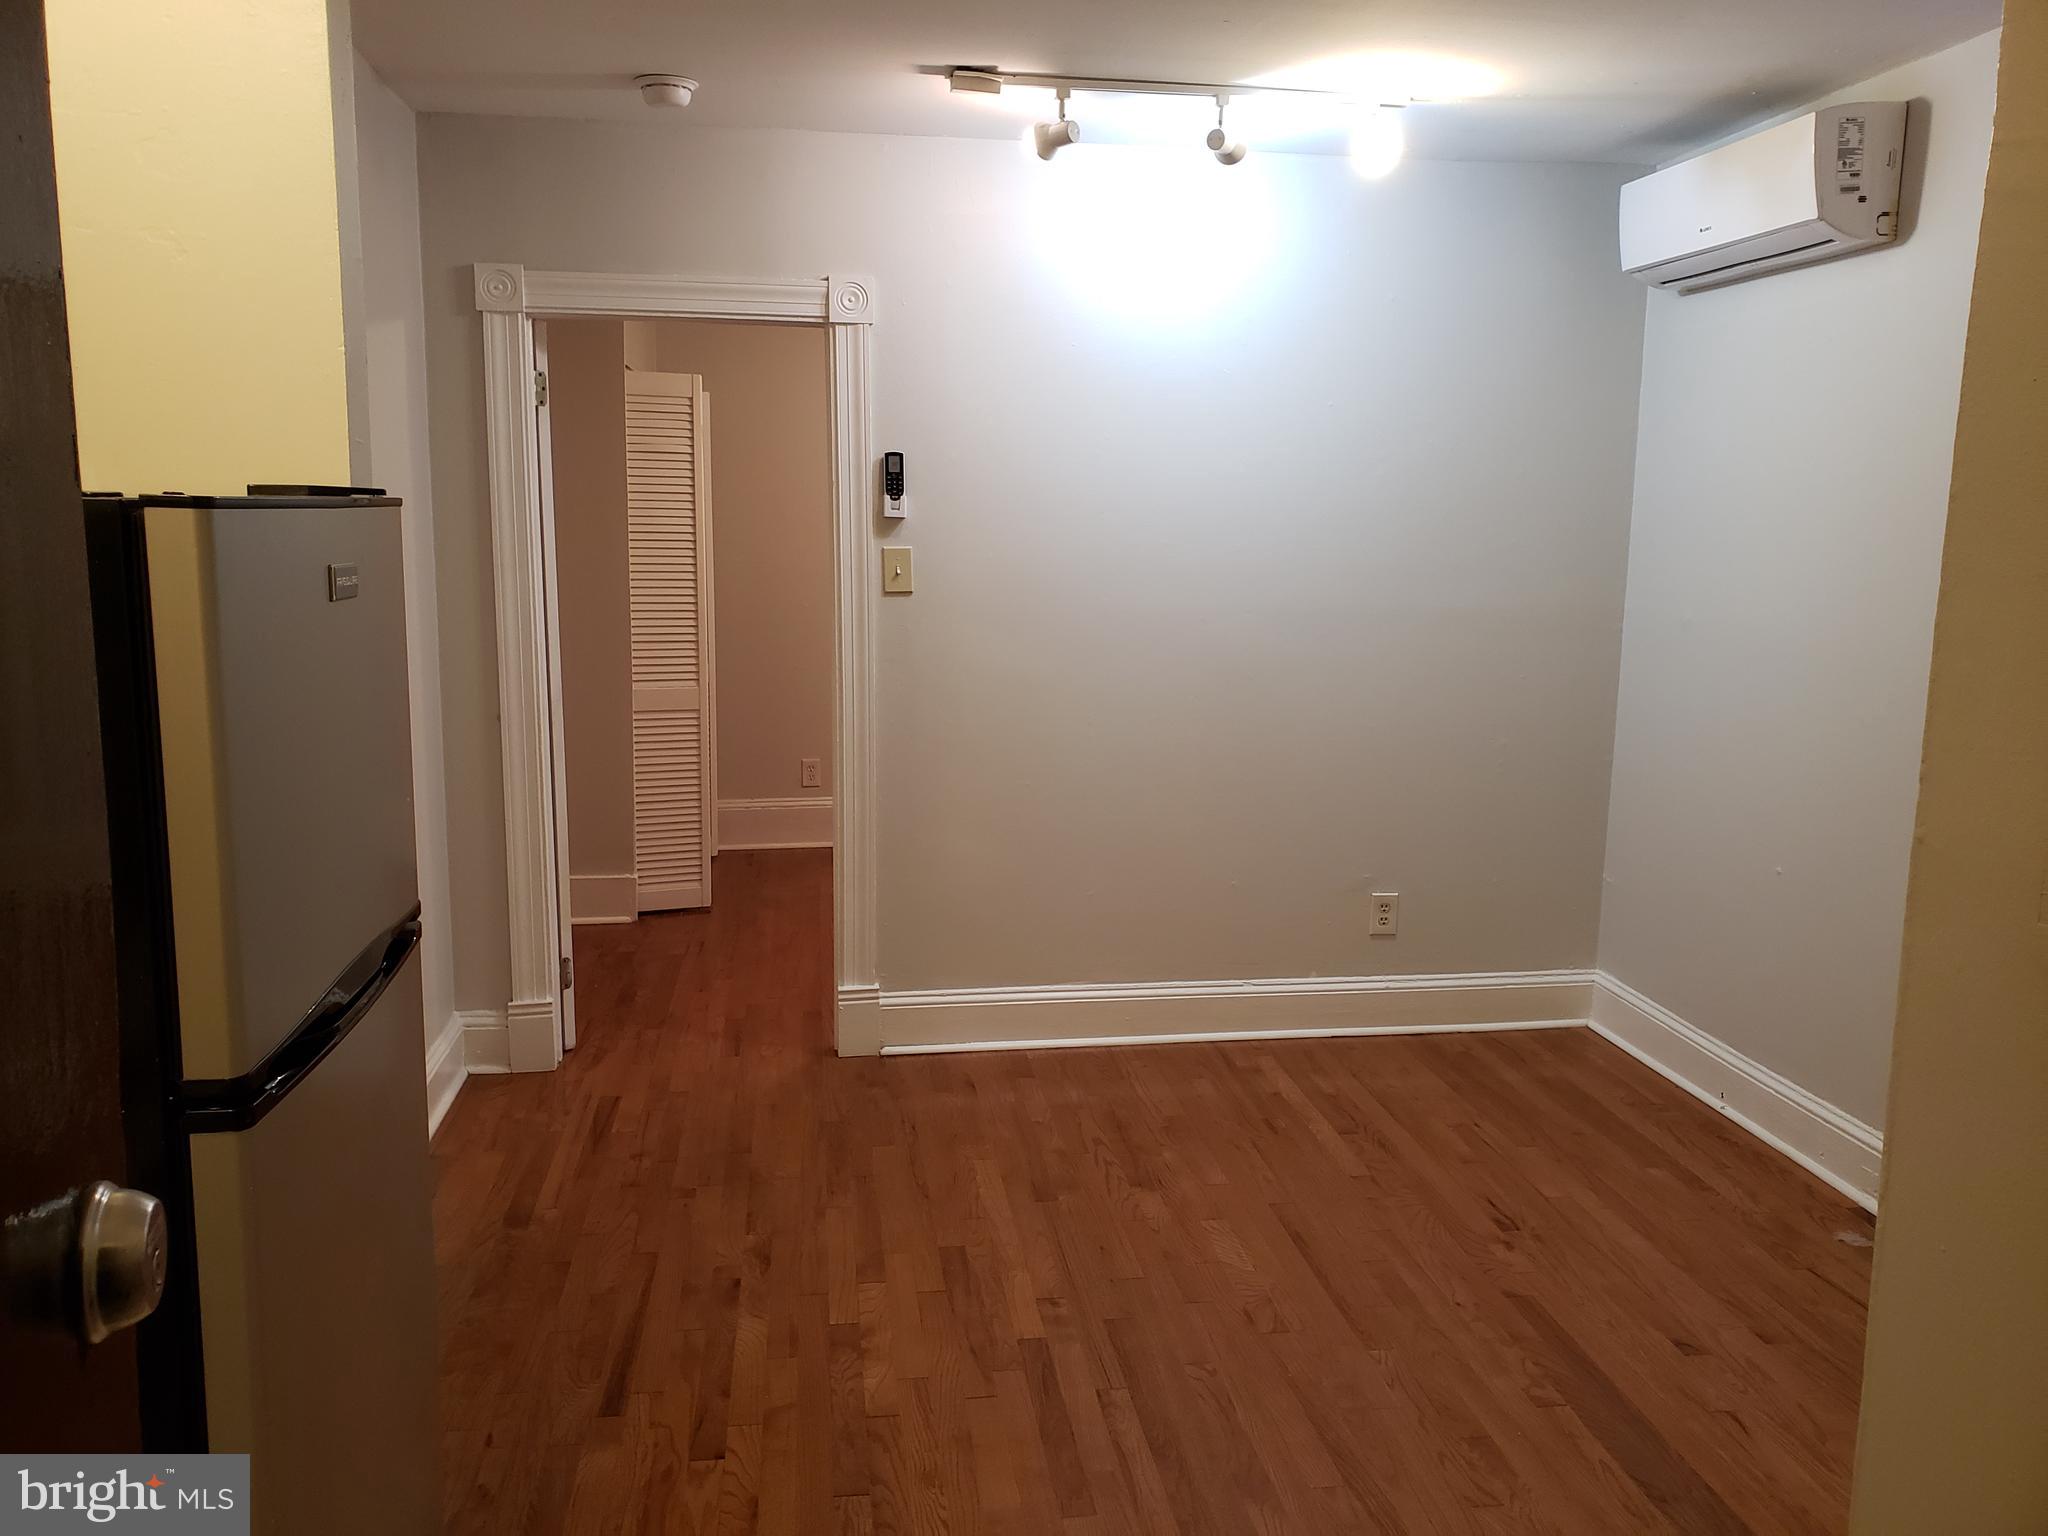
(317, 1289)
(281, 700)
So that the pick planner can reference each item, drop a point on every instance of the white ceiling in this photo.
(1635, 81)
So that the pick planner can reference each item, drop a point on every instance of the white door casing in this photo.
(668, 582)
(509, 298)
(544, 456)
(533, 1017)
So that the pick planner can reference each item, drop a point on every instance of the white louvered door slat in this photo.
(668, 589)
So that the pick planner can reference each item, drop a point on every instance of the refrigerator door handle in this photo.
(236, 1103)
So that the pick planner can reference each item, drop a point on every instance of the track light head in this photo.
(1050, 138)
(1228, 151)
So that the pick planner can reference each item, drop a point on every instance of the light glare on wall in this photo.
(1377, 142)
(1162, 120)
(1271, 119)
(1151, 235)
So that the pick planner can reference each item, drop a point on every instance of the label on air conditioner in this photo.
(1849, 154)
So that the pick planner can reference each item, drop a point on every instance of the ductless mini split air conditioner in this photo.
(1820, 186)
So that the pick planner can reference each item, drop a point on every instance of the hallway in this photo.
(709, 1278)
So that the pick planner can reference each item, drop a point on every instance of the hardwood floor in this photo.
(709, 1278)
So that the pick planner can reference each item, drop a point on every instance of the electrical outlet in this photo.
(1386, 914)
(810, 772)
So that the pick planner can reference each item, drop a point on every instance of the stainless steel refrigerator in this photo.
(257, 736)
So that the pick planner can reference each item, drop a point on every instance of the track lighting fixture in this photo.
(1228, 151)
(1377, 136)
(1051, 138)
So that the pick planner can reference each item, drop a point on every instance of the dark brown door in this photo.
(60, 1080)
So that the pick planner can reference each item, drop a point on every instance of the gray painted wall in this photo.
(1791, 490)
(392, 336)
(1271, 533)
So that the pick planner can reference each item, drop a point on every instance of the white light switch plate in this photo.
(896, 572)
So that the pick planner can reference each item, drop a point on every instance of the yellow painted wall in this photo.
(202, 254)
(1954, 1436)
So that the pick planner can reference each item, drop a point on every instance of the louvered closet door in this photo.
(667, 551)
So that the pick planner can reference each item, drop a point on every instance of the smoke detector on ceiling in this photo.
(665, 90)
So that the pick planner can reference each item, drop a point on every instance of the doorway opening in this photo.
(687, 469)
(517, 307)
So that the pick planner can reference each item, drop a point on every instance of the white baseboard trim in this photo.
(797, 823)
(602, 899)
(447, 1071)
(1829, 1142)
(860, 1021)
(486, 1047)
(520, 1038)
(668, 896)
(530, 1042)
(1130, 1013)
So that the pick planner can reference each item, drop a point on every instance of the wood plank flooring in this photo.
(708, 1278)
